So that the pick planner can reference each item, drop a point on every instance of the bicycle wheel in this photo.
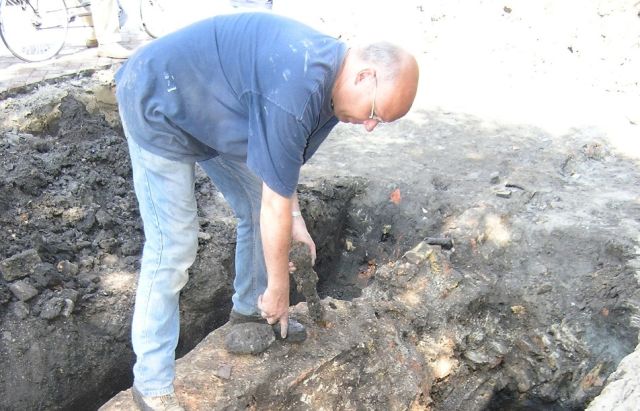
(153, 15)
(33, 30)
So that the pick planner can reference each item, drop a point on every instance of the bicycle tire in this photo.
(152, 16)
(33, 30)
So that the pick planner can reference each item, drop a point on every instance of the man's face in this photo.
(368, 100)
(360, 104)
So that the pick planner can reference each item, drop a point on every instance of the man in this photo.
(249, 97)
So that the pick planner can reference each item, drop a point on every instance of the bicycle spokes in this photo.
(33, 30)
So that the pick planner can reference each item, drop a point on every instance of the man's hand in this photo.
(300, 233)
(274, 307)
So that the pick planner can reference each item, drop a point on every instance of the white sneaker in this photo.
(114, 51)
(167, 402)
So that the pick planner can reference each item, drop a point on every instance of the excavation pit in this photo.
(535, 303)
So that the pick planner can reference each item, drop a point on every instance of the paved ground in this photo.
(73, 57)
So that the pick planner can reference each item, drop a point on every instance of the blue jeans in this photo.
(165, 192)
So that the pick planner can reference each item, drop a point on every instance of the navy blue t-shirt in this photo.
(255, 87)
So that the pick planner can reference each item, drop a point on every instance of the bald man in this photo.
(249, 97)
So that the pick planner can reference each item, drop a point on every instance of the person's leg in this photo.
(243, 191)
(165, 192)
(106, 24)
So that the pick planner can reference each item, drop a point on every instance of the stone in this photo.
(20, 309)
(19, 265)
(52, 308)
(69, 294)
(67, 268)
(477, 357)
(5, 294)
(23, 290)
(419, 253)
(623, 387)
(296, 332)
(249, 338)
(69, 305)
(104, 219)
(503, 193)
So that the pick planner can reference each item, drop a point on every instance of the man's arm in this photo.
(275, 228)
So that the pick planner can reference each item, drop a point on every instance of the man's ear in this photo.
(365, 74)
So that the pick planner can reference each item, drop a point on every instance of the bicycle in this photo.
(36, 30)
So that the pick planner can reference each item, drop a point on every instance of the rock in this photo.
(104, 219)
(5, 294)
(503, 193)
(69, 294)
(523, 377)
(20, 265)
(477, 357)
(104, 94)
(623, 387)
(296, 333)
(86, 262)
(74, 215)
(494, 178)
(108, 244)
(69, 305)
(132, 247)
(419, 253)
(23, 290)
(20, 309)
(67, 268)
(249, 338)
(52, 308)
(350, 364)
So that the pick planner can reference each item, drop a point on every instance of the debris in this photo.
(23, 290)
(395, 196)
(503, 193)
(67, 268)
(513, 185)
(518, 309)
(249, 338)
(20, 265)
(444, 242)
(419, 253)
(20, 309)
(386, 233)
(306, 280)
(349, 245)
(52, 308)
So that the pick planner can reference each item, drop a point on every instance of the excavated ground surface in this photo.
(532, 308)
(544, 232)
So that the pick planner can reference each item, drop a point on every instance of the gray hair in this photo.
(388, 58)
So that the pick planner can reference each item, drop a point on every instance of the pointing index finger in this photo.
(284, 326)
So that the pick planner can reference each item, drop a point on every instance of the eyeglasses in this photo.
(373, 115)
